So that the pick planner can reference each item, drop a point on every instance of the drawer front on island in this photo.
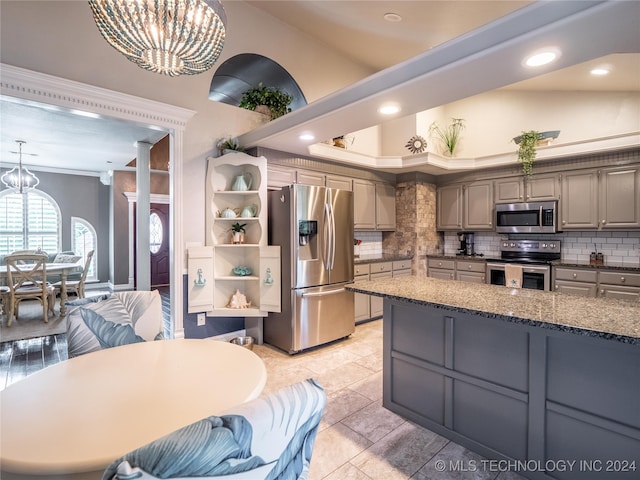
(511, 391)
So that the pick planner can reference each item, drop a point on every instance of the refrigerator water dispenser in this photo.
(306, 230)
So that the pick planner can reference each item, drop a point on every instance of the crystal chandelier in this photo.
(19, 178)
(172, 37)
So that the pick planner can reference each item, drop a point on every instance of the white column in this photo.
(143, 195)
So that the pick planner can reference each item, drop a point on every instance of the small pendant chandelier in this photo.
(20, 179)
(171, 37)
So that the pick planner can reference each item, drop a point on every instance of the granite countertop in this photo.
(556, 263)
(380, 258)
(606, 266)
(596, 317)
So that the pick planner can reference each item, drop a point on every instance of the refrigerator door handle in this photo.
(333, 238)
(326, 237)
(322, 294)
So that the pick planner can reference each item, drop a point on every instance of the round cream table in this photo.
(72, 419)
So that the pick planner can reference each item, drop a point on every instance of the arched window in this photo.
(29, 221)
(83, 240)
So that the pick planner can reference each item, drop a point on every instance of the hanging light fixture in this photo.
(19, 178)
(172, 37)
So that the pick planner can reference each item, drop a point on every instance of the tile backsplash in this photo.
(371, 243)
(617, 247)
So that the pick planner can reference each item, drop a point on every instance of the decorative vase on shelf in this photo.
(237, 238)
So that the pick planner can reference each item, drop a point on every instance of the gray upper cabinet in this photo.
(540, 188)
(341, 183)
(278, 177)
(619, 198)
(374, 205)
(449, 207)
(535, 188)
(468, 206)
(579, 205)
(385, 206)
(306, 177)
(364, 212)
(509, 190)
(478, 206)
(604, 199)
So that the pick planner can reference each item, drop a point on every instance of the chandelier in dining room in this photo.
(20, 179)
(171, 37)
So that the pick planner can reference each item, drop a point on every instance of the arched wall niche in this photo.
(246, 70)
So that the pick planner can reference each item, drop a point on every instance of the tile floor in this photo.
(358, 439)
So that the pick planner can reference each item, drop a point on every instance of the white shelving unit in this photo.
(220, 255)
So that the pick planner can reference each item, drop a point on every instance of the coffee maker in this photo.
(466, 243)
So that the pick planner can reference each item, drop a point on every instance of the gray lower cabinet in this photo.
(368, 307)
(443, 269)
(470, 271)
(450, 269)
(597, 282)
(377, 271)
(361, 301)
(510, 391)
(619, 284)
(576, 281)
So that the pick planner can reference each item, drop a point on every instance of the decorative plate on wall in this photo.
(416, 144)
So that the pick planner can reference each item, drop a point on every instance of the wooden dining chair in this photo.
(27, 279)
(77, 286)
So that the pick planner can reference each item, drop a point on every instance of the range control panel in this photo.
(532, 246)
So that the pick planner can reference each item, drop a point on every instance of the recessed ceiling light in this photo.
(599, 71)
(389, 109)
(542, 57)
(392, 17)
(306, 137)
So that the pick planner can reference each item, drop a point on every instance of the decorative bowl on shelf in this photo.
(241, 271)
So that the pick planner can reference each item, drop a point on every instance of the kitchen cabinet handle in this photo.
(556, 287)
(622, 279)
(604, 221)
(601, 292)
(575, 275)
(469, 267)
(564, 222)
(439, 264)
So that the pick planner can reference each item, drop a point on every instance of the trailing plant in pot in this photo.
(237, 230)
(274, 99)
(527, 150)
(448, 136)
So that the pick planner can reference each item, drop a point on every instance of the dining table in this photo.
(61, 269)
(72, 419)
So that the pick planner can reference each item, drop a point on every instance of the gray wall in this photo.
(84, 197)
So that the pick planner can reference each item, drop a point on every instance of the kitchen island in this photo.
(536, 380)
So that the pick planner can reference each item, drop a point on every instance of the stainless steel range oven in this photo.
(534, 256)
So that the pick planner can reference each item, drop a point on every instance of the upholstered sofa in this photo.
(110, 320)
(269, 438)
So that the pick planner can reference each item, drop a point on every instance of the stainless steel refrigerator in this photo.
(314, 228)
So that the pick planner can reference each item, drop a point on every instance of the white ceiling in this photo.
(66, 140)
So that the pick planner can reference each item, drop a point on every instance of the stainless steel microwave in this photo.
(530, 217)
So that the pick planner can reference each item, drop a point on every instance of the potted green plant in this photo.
(228, 145)
(238, 232)
(527, 143)
(449, 136)
(261, 98)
